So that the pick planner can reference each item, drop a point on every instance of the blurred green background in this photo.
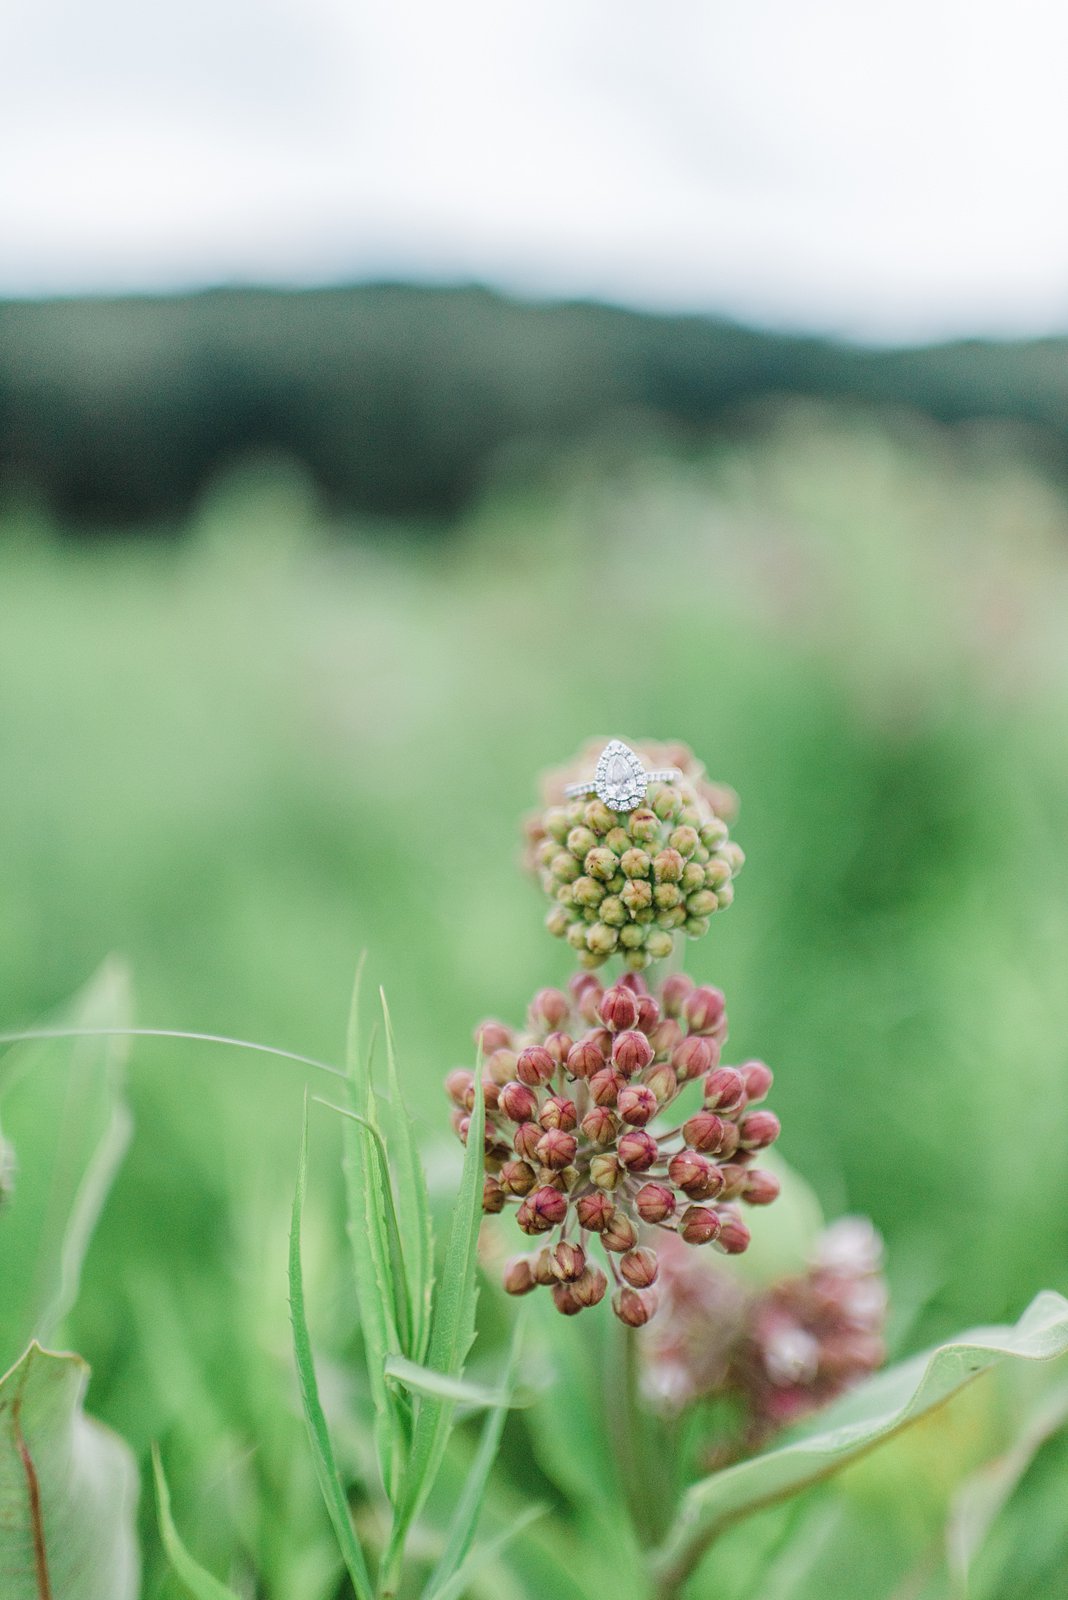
(294, 730)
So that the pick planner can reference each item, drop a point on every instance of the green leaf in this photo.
(68, 1489)
(326, 1471)
(460, 1581)
(366, 1185)
(861, 1421)
(197, 1579)
(985, 1493)
(64, 1116)
(468, 1508)
(413, 1203)
(425, 1381)
(453, 1327)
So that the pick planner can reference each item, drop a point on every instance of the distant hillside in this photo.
(400, 400)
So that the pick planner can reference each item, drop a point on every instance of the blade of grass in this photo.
(322, 1450)
(458, 1584)
(453, 1326)
(366, 1182)
(468, 1509)
(424, 1381)
(413, 1203)
(197, 1580)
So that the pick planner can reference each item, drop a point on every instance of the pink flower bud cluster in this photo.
(585, 1141)
(781, 1351)
(626, 882)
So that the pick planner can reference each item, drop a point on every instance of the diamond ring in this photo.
(620, 780)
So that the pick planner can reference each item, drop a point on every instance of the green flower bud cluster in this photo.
(625, 883)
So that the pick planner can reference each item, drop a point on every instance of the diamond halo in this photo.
(620, 781)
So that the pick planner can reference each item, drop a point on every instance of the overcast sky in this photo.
(888, 170)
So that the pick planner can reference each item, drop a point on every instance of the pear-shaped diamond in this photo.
(620, 778)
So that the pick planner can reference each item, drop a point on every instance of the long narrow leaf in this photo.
(461, 1581)
(322, 1451)
(857, 1424)
(365, 1185)
(193, 1577)
(425, 1381)
(413, 1203)
(468, 1509)
(453, 1327)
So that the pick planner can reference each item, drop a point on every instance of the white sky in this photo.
(885, 169)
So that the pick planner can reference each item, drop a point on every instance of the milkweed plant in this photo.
(643, 1390)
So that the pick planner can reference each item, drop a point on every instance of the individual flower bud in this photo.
(568, 1261)
(758, 1080)
(724, 1089)
(516, 1177)
(692, 1058)
(634, 1308)
(492, 1195)
(637, 895)
(619, 1008)
(525, 1140)
(558, 1112)
(556, 823)
(490, 1093)
(600, 1126)
(617, 839)
(693, 878)
(542, 1210)
(659, 944)
(605, 1086)
(691, 1172)
(517, 1277)
(589, 1288)
(760, 1188)
(636, 1104)
(654, 1202)
(589, 1000)
(702, 903)
(549, 1009)
(733, 1236)
(666, 896)
(599, 817)
(730, 1143)
(584, 1058)
(704, 1131)
(674, 993)
(662, 1083)
(636, 863)
(580, 841)
(613, 911)
(557, 921)
(758, 1129)
(620, 1233)
(559, 1046)
(665, 1036)
(648, 1013)
(643, 825)
(667, 866)
(631, 1052)
(633, 936)
(518, 1102)
(491, 1036)
(556, 1149)
(704, 1010)
(501, 1066)
(639, 1267)
(699, 1225)
(541, 1267)
(637, 1150)
(735, 1178)
(587, 892)
(601, 940)
(535, 1066)
(564, 1300)
(460, 1088)
(601, 863)
(605, 1171)
(684, 840)
(594, 1211)
(717, 874)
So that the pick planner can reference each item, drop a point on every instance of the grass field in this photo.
(238, 760)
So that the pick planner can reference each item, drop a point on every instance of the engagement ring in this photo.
(620, 780)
